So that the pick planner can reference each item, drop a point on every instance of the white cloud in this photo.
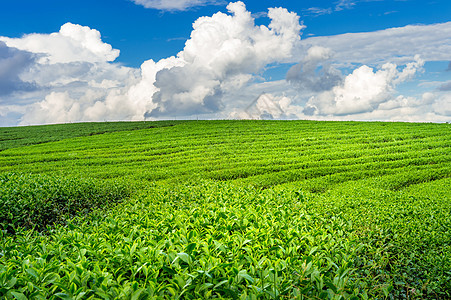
(400, 45)
(344, 4)
(315, 72)
(442, 105)
(73, 43)
(92, 105)
(12, 63)
(175, 5)
(429, 107)
(221, 55)
(78, 82)
(318, 11)
(80, 91)
(70, 75)
(370, 91)
(57, 107)
(364, 90)
(267, 106)
(69, 72)
(338, 6)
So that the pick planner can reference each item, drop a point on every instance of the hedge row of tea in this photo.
(31, 135)
(230, 209)
(36, 201)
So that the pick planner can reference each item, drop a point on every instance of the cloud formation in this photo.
(442, 104)
(399, 45)
(73, 43)
(315, 73)
(65, 73)
(267, 107)
(222, 54)
(338, 6)
(12, 63)
(344, 4)
(71, 76)
(175, 5)
(78, 82)
(363, 90)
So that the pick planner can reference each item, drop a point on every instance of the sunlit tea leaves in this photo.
(227, 210)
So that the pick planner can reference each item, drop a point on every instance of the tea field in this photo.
(226, 209)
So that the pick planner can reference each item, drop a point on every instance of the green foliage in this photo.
(230, 209)
(406, 232)
(35, 201)
(206, 241)
(13, 137)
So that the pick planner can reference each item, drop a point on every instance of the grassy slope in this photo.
(236, 209)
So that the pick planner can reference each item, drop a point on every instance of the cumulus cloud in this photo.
(70, 75)
(363, 90)
(73, 43)
(221, 54)
(422, 108)
(65, 74)
(431, 42)
(267, 107)
(93, 105)
(369, 92)
(442, 105)
(13, 62)
(315, 73)
(58, 107)
(80, 91)
(175, 5)
(428, 107)
(79, 82)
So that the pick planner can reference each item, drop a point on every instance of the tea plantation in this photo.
(226, 210)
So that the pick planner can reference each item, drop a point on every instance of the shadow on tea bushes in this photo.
(36, 201)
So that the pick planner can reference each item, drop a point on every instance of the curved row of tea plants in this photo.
(13, 137)
(37, 201)
(229, 150)
(204, 241)
(220, 240)
(239, 209)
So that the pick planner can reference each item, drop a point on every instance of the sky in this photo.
(80, 61)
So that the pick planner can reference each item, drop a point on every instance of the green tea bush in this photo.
(227, 210)
(407, 232)
(35, 201)
(14, 137)
(212, 240)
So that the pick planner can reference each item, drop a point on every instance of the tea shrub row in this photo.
(36, 201)
(13, 137)
(212, 240)
(234, 210)
(218, 240)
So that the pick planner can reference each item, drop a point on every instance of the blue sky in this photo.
(344, 59)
